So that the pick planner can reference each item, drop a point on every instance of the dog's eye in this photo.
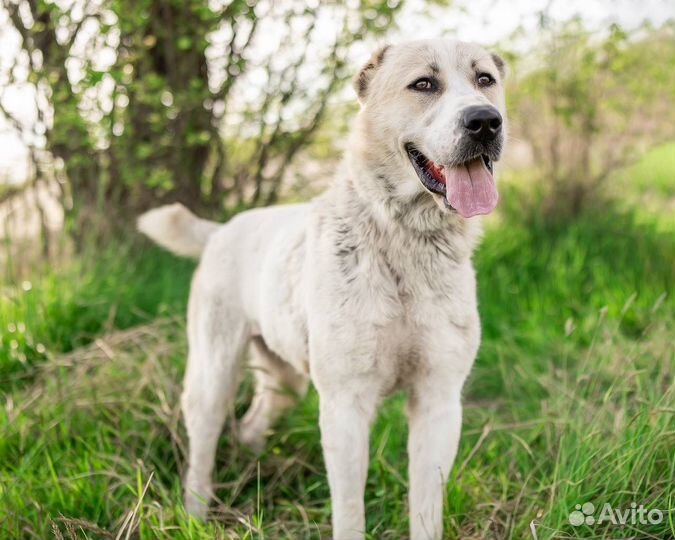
(425, 84)
(484, 80)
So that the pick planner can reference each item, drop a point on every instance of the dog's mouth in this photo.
(469, 187)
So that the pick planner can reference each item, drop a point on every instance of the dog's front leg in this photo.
(345, 417)
(435, 416)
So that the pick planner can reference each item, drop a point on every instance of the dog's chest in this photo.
(386, 302)
(399, 357)
(402, 305)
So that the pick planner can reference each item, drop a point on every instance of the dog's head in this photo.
(433, 120)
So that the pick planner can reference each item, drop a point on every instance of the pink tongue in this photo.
(470, 188)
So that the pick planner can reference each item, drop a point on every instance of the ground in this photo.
(571, 400)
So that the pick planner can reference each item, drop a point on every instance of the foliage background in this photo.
(228, 105)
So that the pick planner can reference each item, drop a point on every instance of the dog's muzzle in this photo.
(465, 181)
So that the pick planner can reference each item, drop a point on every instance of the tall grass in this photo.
(55, 310)
(571, 400)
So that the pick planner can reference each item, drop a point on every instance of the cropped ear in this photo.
(362, 80)
(499, 62)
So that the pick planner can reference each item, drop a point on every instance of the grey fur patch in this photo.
(499, 62)
(442, 244)
(388, 186)
(362, 80)
(346, 249)
(396, 276)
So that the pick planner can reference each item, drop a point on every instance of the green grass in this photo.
(648, 186)
(655, 172)
(571, 400)
(59, 309)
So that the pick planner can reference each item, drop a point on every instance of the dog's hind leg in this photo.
(217, 335)
(277, 387)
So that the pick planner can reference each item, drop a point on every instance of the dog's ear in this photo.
(363, 78)
(499, 62)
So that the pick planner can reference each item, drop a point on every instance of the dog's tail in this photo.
(177, 229)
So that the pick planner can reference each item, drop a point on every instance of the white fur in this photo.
(177, 229)
(367, 289)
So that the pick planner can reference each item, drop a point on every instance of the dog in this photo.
(365, 290)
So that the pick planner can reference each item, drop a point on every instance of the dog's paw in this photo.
(196, 506)
(198, 494)
(250, 436)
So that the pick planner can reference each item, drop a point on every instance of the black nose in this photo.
(482, 122)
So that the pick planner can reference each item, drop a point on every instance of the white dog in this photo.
(367, 289)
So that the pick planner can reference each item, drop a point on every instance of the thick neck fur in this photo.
(364, 198)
